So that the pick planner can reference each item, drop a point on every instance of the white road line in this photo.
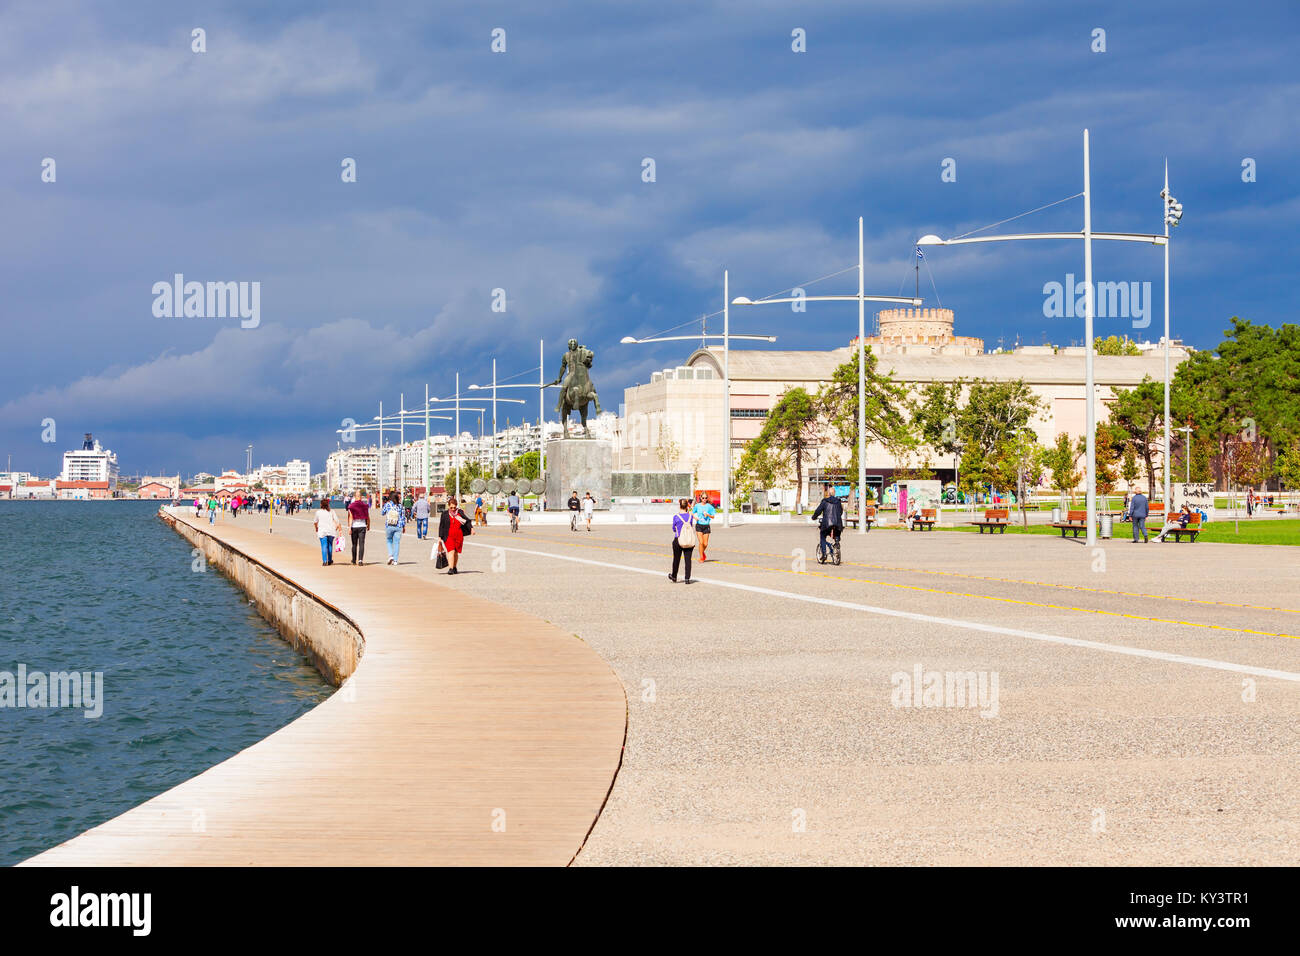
(932, 619)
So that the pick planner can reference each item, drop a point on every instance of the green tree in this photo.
(789, 434)
(527, 465)
(1128, 467)
(1114, 345)
(1137, 423)
(1060, 460)
(468, 472)
(1287, 467)
(985, 425)
(886, 403)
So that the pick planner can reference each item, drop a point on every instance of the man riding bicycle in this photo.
(512, 506)
(831, 512)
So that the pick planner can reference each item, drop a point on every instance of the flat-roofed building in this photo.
(676, 420)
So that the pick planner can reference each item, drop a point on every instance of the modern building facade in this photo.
(676, 421)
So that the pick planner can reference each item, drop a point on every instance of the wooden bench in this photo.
(1192, 530)
(925, 521)
(997, 518)
(853, 521)
(1075, 521)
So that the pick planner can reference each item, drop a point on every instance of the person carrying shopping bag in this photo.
(453, 526)
(327, 529)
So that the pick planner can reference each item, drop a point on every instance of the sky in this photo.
(524, 171)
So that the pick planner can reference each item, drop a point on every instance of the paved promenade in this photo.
(1147, 708)
(471, 733)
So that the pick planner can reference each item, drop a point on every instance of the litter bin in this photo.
(1106, 523)
(1056, 516)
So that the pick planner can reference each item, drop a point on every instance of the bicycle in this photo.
(829, 550)
(514, 521)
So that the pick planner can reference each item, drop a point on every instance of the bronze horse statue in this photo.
(576, 390)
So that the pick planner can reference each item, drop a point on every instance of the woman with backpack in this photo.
(683, 538)
(394, 524)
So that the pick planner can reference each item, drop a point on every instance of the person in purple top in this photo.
(683, 538)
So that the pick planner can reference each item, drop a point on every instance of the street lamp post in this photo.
(1173, 212)
(726, 385)
(514, 401)
(1087, 235)
(862, 299)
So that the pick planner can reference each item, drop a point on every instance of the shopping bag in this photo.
(338, 545)
(439, 555)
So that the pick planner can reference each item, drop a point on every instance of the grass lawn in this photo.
(1268, 531)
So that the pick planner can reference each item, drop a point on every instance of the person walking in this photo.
(327, 529)
(574, 505)
(480, 516)
(408, 503)
(198, 507)
(703, 513)
(1250, 503)
(212, 511)
(1138, 509)
(830, 514)
(453, 525)
(588, 509)
(683, 539)
(394, 524)
(360, 512)
(421, 512)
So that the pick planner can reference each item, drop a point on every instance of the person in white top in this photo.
(327, 529)
(588, 508)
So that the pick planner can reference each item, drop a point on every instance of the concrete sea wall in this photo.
(322, 632)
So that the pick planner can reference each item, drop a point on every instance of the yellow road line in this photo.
(917, 587)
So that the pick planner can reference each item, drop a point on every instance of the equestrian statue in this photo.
(576, 389)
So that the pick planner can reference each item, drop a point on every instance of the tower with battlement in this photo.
(920, 332)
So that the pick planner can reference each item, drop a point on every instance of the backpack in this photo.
(394, 516)
(686, 536)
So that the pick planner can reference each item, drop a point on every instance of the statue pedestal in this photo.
(581, 465)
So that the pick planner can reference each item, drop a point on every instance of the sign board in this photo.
(917, 494)
(1199, 496)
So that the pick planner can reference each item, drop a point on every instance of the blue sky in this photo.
(522, 171)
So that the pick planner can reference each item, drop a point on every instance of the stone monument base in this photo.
(581, 465)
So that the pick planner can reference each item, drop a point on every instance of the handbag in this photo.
(441, 561)
(686, 536)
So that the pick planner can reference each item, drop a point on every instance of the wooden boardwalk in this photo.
(470, 734)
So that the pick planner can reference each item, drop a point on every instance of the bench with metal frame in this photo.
(994, 519)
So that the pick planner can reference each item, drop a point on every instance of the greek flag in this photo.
(919, 253)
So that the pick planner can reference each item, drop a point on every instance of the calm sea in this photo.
(191, 673)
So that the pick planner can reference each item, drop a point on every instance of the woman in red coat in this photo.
(452, 528)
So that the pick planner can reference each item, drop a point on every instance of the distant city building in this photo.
(231, 481)
(34, 488)
(82, 490)
(90, 462)
(154, 486)
(352, 469)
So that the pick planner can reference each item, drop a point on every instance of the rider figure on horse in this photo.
(576, 389)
